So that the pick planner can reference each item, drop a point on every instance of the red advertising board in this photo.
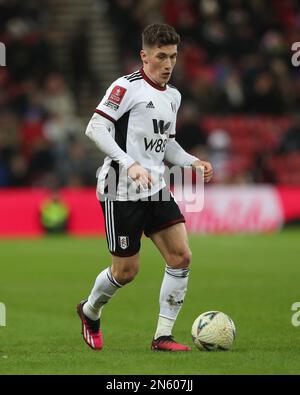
(226, 209)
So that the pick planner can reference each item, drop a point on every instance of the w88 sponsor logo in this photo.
(157, 145)
(159, 128)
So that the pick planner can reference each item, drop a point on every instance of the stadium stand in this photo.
(234, 67)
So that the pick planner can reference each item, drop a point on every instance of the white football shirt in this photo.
(144, 118)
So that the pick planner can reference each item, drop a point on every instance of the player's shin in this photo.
(172, 293)
(105, 287)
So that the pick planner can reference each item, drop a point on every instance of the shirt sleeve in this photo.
(98, 130)
(174, 153)
(117, 100)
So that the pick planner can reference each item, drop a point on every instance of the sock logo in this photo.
(123, 242)
(172, 302)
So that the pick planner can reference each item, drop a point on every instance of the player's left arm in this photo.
(176, 155)
(208, 169)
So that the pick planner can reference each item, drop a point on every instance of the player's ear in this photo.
(144, 56)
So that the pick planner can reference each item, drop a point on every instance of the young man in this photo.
(134, 125)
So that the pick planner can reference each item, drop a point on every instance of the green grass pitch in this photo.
(255, 279)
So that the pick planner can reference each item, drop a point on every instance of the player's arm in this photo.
(118, 99)
(99, 131)
(208, 170)
(176, 155)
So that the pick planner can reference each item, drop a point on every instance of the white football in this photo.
(213, 330)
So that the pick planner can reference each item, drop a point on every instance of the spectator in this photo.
(219, 154)
(265, 97)
(57, 100)
(189, 133)
(83, 75)
(54, 214)
(290, 141)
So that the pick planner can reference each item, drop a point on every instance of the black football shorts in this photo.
(125, 221)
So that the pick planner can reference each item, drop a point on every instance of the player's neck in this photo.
(147, 75)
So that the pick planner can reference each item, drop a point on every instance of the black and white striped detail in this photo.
(134, 76)
(109, 224)
(112, 279)
(178, 273)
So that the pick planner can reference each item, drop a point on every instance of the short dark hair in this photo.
(159, 34)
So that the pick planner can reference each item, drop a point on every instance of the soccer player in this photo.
(134, 125)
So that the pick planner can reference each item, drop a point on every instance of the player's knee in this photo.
(125, 275)
(181, 259)
(125, 269)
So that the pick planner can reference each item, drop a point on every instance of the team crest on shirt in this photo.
(123, 242)
(117, 94)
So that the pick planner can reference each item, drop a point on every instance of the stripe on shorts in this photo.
(110, 226)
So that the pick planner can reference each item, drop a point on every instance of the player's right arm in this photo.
(117, 100)
(99, 131)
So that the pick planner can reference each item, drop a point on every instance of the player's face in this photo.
(159, 62)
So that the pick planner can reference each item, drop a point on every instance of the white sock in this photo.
(172, 293)
(164, 327)
(105, 287)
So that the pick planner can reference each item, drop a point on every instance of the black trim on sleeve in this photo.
(121, 130)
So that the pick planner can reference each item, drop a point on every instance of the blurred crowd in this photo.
(241, 93)
(235, 55)
(39, 128)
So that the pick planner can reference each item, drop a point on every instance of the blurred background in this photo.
(241, 93)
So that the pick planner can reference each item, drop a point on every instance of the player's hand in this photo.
(140, 175)
(208, 170)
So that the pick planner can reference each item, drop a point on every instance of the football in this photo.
(213, 330)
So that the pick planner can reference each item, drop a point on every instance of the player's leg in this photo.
(167, 231)
(172, 242)
(123, 240)
(123, 227)
(121, 272)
